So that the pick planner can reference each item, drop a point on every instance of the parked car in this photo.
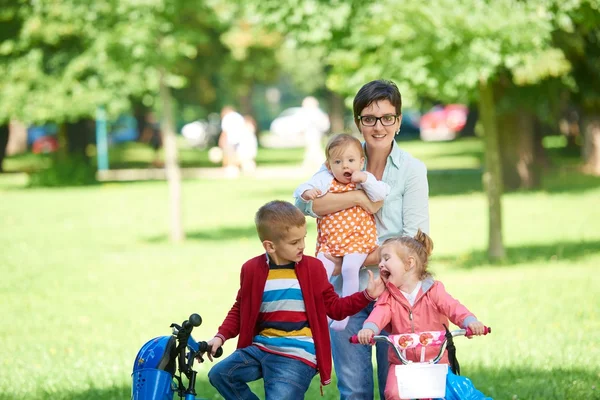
(286, 130)
(443, 122)
(124, 129)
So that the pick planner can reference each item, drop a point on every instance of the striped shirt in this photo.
(282, 323)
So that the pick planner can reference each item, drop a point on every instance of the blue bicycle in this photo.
(157, 363)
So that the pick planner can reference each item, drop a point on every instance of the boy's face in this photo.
(288, 249)
(344, 163)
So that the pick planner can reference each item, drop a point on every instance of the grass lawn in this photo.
(88, 276)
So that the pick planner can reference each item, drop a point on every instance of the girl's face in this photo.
(379, 136)
(345, 162)
(392, 268)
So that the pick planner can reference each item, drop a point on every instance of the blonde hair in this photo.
(274, 219)
(420, 247)
(341, 141)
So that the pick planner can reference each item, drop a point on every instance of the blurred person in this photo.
(280, 314)
(232, 130)
(316, 125)
(377, 114)
(151, 134)
(413, 302)
(248, 146)
(356, 237)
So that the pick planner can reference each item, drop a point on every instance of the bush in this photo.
(71, 171)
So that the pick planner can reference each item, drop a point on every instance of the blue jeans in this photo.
(284, 377)
(353, 362)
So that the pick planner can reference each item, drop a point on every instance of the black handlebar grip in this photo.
(219, 352)
(195, 319)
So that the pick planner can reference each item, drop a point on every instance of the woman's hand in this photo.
(364, 202)
(365, 336)
(376, 286)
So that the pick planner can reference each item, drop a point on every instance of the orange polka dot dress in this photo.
(347, 231)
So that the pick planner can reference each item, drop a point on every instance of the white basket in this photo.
(421, 380)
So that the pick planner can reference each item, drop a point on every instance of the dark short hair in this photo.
(375, 91)
(274, 219)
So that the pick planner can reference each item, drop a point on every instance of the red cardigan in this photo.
(320, 301)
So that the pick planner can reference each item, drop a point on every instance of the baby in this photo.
(350, 233)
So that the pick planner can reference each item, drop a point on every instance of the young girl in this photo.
(349, 233)
(413, 302)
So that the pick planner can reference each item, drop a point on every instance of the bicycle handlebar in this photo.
(442, 343)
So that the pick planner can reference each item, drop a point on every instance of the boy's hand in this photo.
(477, 328)
(359, 177)
(311, 194)
(213, 345)
(376, 286)
(365, 336)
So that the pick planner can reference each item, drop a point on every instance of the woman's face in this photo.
(379, 136)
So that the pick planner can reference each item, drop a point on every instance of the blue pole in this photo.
(101, 139)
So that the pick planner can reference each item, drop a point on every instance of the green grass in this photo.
(88, 276)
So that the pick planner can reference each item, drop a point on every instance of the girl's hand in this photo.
(365, 336)
(376, 286)
(478, 328)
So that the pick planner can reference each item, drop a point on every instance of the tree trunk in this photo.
(492, 177)
(528, 166)
(508, 140)
(171, 161)
(79, 135)
(17, 138)
(520, 168)
(591, 144)
(336, 112)
(4, 132)
(246, 107)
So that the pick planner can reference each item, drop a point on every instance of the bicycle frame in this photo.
(154, 375)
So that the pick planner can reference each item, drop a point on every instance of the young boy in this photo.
(280, 314)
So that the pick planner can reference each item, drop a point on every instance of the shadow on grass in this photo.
(570, 251)
(454, 182)
(569, 180)
(532, 384)
(213, 235)
(505, 383)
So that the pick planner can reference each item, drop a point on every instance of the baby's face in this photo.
(343, 163)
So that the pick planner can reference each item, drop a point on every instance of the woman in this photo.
(377, 114)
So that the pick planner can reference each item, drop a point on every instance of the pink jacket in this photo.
(433, 307)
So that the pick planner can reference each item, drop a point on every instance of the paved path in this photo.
(207, 173)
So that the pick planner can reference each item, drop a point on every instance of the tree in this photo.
(445, 49)
(65, 59)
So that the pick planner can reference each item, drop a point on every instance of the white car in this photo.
(286, 131)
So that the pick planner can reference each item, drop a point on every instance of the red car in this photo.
(443, 122)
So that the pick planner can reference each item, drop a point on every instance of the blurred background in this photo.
(123, 208)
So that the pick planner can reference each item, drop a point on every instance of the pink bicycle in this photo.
(427, 379)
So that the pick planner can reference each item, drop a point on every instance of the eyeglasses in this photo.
(371, 120)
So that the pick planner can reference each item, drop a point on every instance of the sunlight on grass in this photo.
(88, 276)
